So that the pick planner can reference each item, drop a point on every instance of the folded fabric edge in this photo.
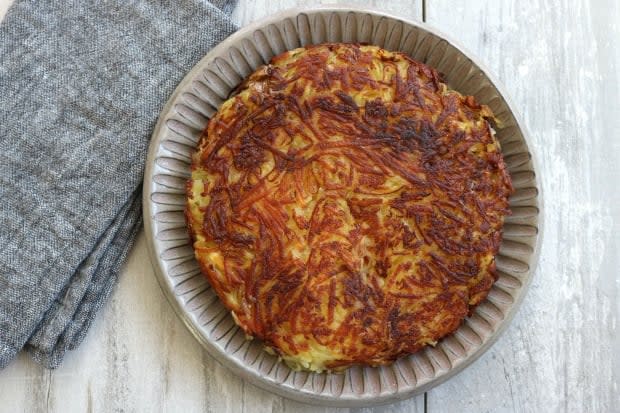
(64, 306)
(108, 269)
(7, 354)
(227, 6)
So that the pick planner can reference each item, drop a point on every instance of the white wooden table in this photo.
(560, 62)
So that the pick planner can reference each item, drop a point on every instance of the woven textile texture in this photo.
(81, 86)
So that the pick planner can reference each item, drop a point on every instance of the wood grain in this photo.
(560, 65)
(248, 11)
(559, 61)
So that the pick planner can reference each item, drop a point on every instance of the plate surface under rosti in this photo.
(180, 125)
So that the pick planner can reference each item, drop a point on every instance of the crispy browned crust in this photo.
(346, 206)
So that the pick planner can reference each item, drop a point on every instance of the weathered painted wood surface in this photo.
(559, 62)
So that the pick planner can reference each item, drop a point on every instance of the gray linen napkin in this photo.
(81, 85)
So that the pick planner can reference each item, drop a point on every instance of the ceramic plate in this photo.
(180, 125)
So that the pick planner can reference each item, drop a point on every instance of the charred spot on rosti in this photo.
(346, 205)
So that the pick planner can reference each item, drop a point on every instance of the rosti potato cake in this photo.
(346, 205)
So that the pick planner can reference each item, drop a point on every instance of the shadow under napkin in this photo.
(81, 86)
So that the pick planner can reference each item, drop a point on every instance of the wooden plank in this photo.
(606, 172)
(138, 356)
(559, 61)
(250, 10)
(4, 6)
